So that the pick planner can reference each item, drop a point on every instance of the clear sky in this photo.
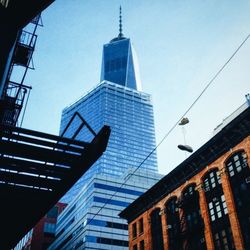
(180, 44)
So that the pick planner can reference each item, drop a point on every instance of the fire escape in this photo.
(36, 169)
(16, 93)
(191, 223)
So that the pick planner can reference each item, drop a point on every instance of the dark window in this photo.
(64, 242)
(218, 212)
(239, 177)
(78, 244)
(110, 224)
(142, 247)
(223, 239)
(135, 247)
(69, 212)
(141, 226)
(106, 241)
(109, 201)
(156, 230)
(191, 222)
(134, 230)
(236, 164)
(173, 224)
(217, 208)
(117, 189)
(211, 181)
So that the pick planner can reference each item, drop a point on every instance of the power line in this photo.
(173, 127)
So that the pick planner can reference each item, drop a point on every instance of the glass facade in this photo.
(91, 220)
(129, 113)
(119, 64)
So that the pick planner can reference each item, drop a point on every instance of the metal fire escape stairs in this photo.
(36, 169)
(16, 93)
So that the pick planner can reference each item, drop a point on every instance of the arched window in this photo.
(218, 213)
(173, 224)
(156, 230)
(191, 222)
(239, 177)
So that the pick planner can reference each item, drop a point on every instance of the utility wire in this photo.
(173, 127)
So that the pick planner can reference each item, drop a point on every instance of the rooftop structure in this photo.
(119, 62)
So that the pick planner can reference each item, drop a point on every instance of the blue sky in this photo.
(180, 44)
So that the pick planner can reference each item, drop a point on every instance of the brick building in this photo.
(42, 235)
(204, 203)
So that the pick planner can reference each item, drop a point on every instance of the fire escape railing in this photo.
(16, 93)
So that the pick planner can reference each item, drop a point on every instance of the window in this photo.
(135, 247)
(49, 228)
(237, 163)
(173, 224)
(102, 223)
(106, 241)
(111, 202)
(191, 220)
(217, 208)
(218, 212)
(156, 230)
(211, 181)
(134, 231)
(223, 239)
(142, 247)
(117, 189)
(239, 172)
(141, 226)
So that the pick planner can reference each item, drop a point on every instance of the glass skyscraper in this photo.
(118, 102)
(91, 219)
(129, 113)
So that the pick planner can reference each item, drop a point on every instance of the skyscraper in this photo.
(119, 104)
(91, 219)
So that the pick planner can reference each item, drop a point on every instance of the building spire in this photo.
(120, 23)
(120, 35)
